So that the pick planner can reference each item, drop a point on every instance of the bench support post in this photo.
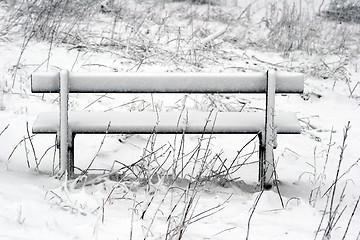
(268, 138)
(64, 123)
(261, 159)
(70, 162)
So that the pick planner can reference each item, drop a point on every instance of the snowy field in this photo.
(130, 192)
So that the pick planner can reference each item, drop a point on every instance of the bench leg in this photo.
(70, 163)
(266, 166)
(268, 136)
(261, 164)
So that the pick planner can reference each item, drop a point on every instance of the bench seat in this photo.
(166, 122)
(265, 124)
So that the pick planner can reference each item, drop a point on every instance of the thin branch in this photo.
(322, 217)
(19, 143)
(347, 171)
(257, 199)
(352, 215)
(339, 164)
(32, 146)
(46, 151)
(26, 154)
(208, 212)
(104, 95)
(97, 153)
(4, 128)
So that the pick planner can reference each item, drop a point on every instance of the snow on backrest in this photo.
(44, 82)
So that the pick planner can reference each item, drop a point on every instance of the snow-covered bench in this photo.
(67, 124)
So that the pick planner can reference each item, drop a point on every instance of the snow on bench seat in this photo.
(166, 122)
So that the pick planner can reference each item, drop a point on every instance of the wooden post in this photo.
(64, 122)
(269, 138)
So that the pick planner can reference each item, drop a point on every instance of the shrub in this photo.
(344, 10)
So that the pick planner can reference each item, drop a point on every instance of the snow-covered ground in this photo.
(36, 205)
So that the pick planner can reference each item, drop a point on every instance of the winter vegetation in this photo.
(196, 186)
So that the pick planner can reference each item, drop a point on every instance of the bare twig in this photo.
(104, 95)
(4, 129)
(32, 147)
(257, 199)
(103, 211)
(342, 148)
(46, 151)
(54, 155)
(239, 152)
(351, 217)
(19, 143)
(333, 218)
(352, 91)
(133, 209)
(342, 175)
(97, 153)
(26, 153)
(134, 100)
(322, 217)
(208, 212)
(225, 230)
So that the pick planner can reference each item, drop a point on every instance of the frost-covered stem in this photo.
(227, 170)
(159, 185)
(17, 145)
(50, 48)
(32, 147)
(322, 3)
(352, 91)
(98, 99)
(64, 121)
(213, 36)
(207, 151)
(352, 215)
(26, 153)
(342, 175)
(46, 151)
(187, 213)
(103, 211)
(2, 131)
(133, 209)
(199, 149)
(330, 144)
(257, 199)
(2, 106)
(338, 168)
(54, 156)
(322, 217)
(208, 212)
(181, 150)
(99, 149)
(24, 45)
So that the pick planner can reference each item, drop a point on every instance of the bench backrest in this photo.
(48, 82)
(269, 82)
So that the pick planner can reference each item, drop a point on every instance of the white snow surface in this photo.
(36, 205)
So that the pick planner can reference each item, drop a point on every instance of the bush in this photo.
(344, 11)
(48, 20)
